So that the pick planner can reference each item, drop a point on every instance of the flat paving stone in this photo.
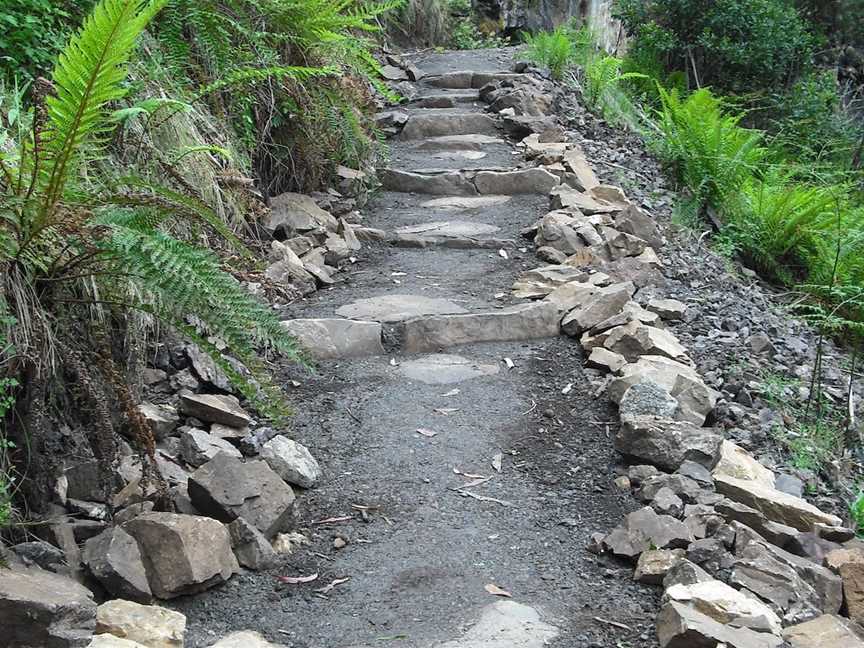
(449, 229)
(506, 624)
(329, 338)
(444, 369)
(468, 142)
(397, 308)
(464, 203)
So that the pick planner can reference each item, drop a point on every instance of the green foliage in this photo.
(556, 50)
(602, 89)
(856, 513)
(8, 385)
(708, 150)
(737, 45)
(67, 240)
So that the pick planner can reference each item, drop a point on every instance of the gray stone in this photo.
(521, 181)
(686, 573)
(826, 631)
(666, 502)
(635, 339)
(564, 197)
(227, 488)
(421, 126)
(448, 229)
(162, 419)
(506, 624)
(42, 554)
(738, 463)
(637, 222)
(696, 472)
(207, 370)
(666, 443)
(182, 554)
(114, 559)
(148, 625)
(110, 641)
(442, 368)
(522, 322)
(726, 605)
(198, 447)
(643, 530)
(251, 548)
(680, 626)
(397, 308)
(245, 639)
(603, 304)
(325, 339)
(607, 360)
(292, 461)
(653, 565)
(458, 143)
(647, 398)
(668, 309)
(43, 610)
(214, 408)
(776, 533)
(446, 183)
(293, 212)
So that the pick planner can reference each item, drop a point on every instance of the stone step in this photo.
(467, 79)
(431, 124)
(521, 322)
(330, 338)
(469, 182)
(444, 100)
(459, 143)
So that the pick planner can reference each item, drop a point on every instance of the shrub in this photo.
(557, 50)
(737, 45)
(602, 91)
(708, 150)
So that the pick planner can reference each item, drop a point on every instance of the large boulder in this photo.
(39, 609)
(520, 181)
(666, 443)
(114, 559)
(182, 554)
(680, 626)
(227, 488)
(149, 625)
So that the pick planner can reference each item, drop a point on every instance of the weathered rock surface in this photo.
(397, 308)
(245, 639)
(293, 212)
(444, 368)
(826, 631)
(445, 183)
(198, 447)
(643, 530)
(602, 304)
(420, 125)
(726, 605)
(521, 181)
(227, 488)
(668, 309)
(522, 322)
(182, 554)
(292, 461)
(647, 398)
(115, 561)
(149, 625)
(680, 626)
(324, 339)
(44, 610)
(635, 339)
(251, 548)
(666, 443)
(214, 408)
(162, 419)
(737, 462)
(653, 565)
(110, 641)
(773, 504)
(849, 564)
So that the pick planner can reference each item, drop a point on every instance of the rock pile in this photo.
(743, 563)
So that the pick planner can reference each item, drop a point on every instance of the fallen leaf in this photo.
(452, 392)
(510, 364)
(503, 254)
(427, 432)
(393, 362)
(497, 591)
(500, 295)
(296, 580)
(344, 518)
(567, 389)
(446, 411)
(496, 462)
(328, 588)
(468, 475)
(398, 274)
(472, 484)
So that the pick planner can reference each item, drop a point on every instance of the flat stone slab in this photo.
(446, 183)
(522, 322)
(441, 125)
(464, 203)
(519, 181)
(443, 369)
(449, 229)
(467, 142)
(324, 339)
(506, 624)
(397, 308)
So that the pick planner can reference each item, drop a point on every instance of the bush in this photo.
(737, 45)
(556, 50)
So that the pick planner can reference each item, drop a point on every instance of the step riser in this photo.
(423, 126)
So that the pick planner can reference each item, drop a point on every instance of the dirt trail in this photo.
(420, 556)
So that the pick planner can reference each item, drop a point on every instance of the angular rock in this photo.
(325, 339)
(149, 625)
(44, 610)
(637, 222)
(250, 546)
(737, 462)
(162, 419)
(292, 461)
(666, 443)
(182, 554)
(227, 488)
(607, 360)
(575, 295)
(826, 631)
(778, 534)
(647, 398)
(680, 626)
(668, 309)
(110, 641)
(634, 340)
(653, 565)
(114, 559)
(42, 554)
(557, 230)
(521, 181)
(603, 304)
(421, 126)
(214, 408)
(206, 369)
(684, 572)
(620, 245)
(643, 530)
(446, 183)
(397, 308)
(293, 212)
(849, 564)
(666, 502)
(564, 197)
(198, 447)
(245, 639)
(726, 605)
(583, 174)
(522, 322)
(773, 504)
